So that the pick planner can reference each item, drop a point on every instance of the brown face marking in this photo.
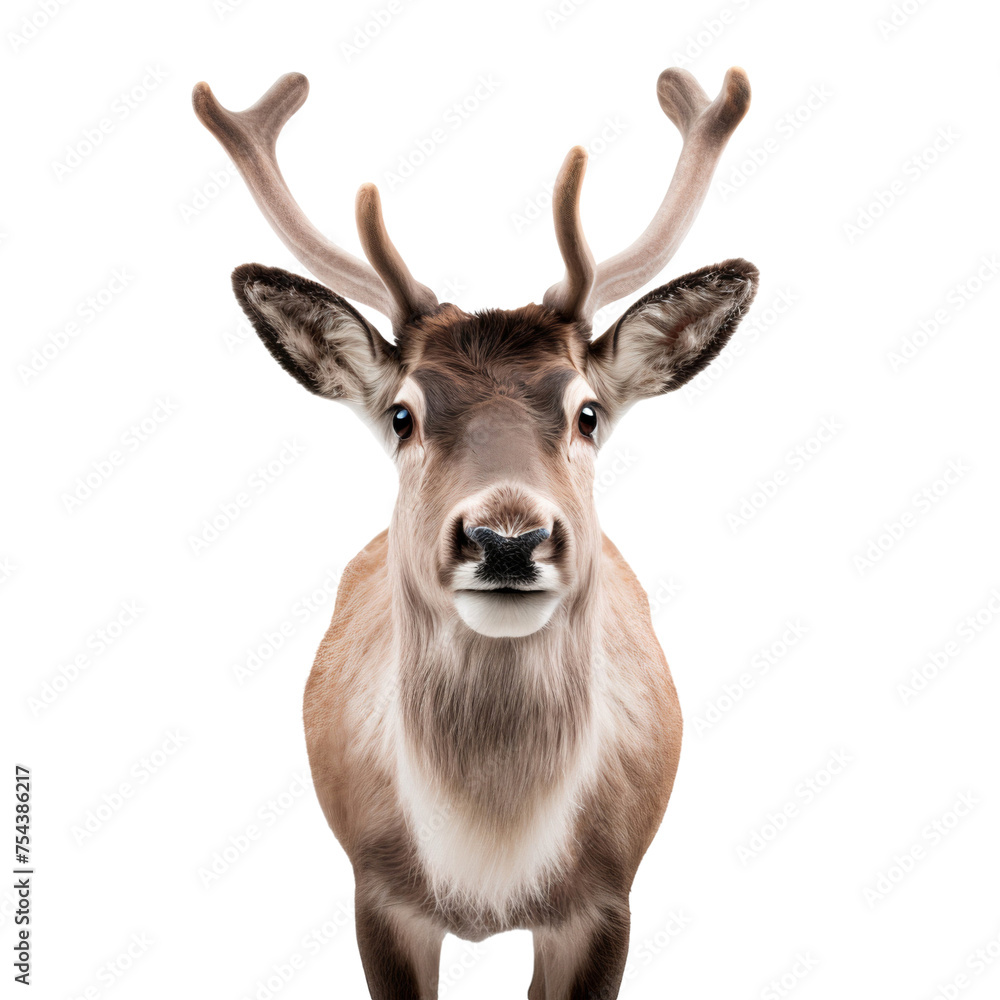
(460, 361)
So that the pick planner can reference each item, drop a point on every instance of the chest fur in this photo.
(495, 754)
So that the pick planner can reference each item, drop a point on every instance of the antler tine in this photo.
(249, 137)
(569, 296)
(706, 128)
(413, 298)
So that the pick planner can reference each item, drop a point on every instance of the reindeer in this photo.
(492, 728)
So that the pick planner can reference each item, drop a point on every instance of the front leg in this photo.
(400, 953)
(584, 958)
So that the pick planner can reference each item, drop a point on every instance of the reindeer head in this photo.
(494, 419)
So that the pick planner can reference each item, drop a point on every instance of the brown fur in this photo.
(614, 827)
(462, 360)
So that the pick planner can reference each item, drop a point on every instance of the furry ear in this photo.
(316, 336)
(672, 333)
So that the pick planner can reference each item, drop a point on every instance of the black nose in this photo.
(507, 561)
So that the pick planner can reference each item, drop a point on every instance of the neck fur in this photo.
(495, 723)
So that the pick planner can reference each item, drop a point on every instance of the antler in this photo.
(249, 137)
(569, 296)
(706, 128)
(413, 298)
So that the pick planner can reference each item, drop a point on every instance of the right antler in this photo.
(249, 137)
(706, 128)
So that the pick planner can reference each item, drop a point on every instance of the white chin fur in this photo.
(500, 615)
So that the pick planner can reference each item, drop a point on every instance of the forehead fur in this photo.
(461, 360)
(491, 338)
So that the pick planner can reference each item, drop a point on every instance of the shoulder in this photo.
(626, 596)
(361, 612)
(629, 642)
(365, 568)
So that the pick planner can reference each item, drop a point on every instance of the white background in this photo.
(847, 108)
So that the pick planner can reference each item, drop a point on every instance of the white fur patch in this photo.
(464, 578)
(467, 861)
(503, 614)
(468, 864)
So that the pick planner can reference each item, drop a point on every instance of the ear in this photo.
(317, 337)
(672, 333)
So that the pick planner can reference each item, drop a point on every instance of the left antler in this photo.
(706, 127)
(249, 137)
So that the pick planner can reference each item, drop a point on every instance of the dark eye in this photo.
(402, 423)
(587, 421)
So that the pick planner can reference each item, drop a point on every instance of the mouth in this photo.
(506, 592)
(505, 612)
(500, 590)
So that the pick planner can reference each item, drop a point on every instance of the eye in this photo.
(587, 421)
(402, 423)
